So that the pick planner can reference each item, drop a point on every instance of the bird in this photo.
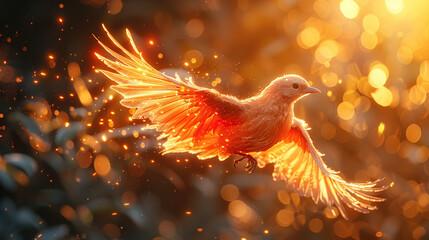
(261, 129)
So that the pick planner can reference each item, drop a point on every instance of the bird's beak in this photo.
(311, 90)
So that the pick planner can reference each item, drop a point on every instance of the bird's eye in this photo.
(295, 86)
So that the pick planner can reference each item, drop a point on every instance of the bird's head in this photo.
(291, 87)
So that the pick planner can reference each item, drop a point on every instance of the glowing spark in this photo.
(200, 229)
(188, 212)
(126, 204)
(43, 73)
(151, 42)
(125, 147)
(60, 20)
(104, 138)
(114, 214)
(67, 124)
(51, 57)
(186, 64)
(266, 231)
(215, 56)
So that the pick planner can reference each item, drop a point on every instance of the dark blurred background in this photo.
(74, 166)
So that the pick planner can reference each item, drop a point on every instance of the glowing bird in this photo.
(262, 129)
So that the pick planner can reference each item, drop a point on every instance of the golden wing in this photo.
(192, 118)
(300, 165)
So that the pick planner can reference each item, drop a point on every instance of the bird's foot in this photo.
(251, 162)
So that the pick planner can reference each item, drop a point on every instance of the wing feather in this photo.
(300, 165)
(184, 112)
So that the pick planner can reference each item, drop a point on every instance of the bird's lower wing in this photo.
(300, 165)
(189, 116)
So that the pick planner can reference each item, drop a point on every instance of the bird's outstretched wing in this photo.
(300, 165)
(189, 116)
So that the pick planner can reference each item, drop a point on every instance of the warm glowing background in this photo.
(74, 166)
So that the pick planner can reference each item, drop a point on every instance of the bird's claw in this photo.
(250, 165)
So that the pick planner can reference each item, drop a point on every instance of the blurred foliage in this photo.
(74, 166)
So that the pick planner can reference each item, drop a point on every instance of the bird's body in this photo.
(265, 122)
(262, 129)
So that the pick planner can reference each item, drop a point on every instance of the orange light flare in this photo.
(188, 212)
(60, 20)
(43, 74)
(114, 214)
(104, 138)
(178, 160)
(61, 97)
(126, 204)
(125, 147)
(51, 57)
(210, 166)
(151, 42)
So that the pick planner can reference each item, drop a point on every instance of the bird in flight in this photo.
(261, 129)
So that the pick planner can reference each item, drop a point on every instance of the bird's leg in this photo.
(251, 162)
